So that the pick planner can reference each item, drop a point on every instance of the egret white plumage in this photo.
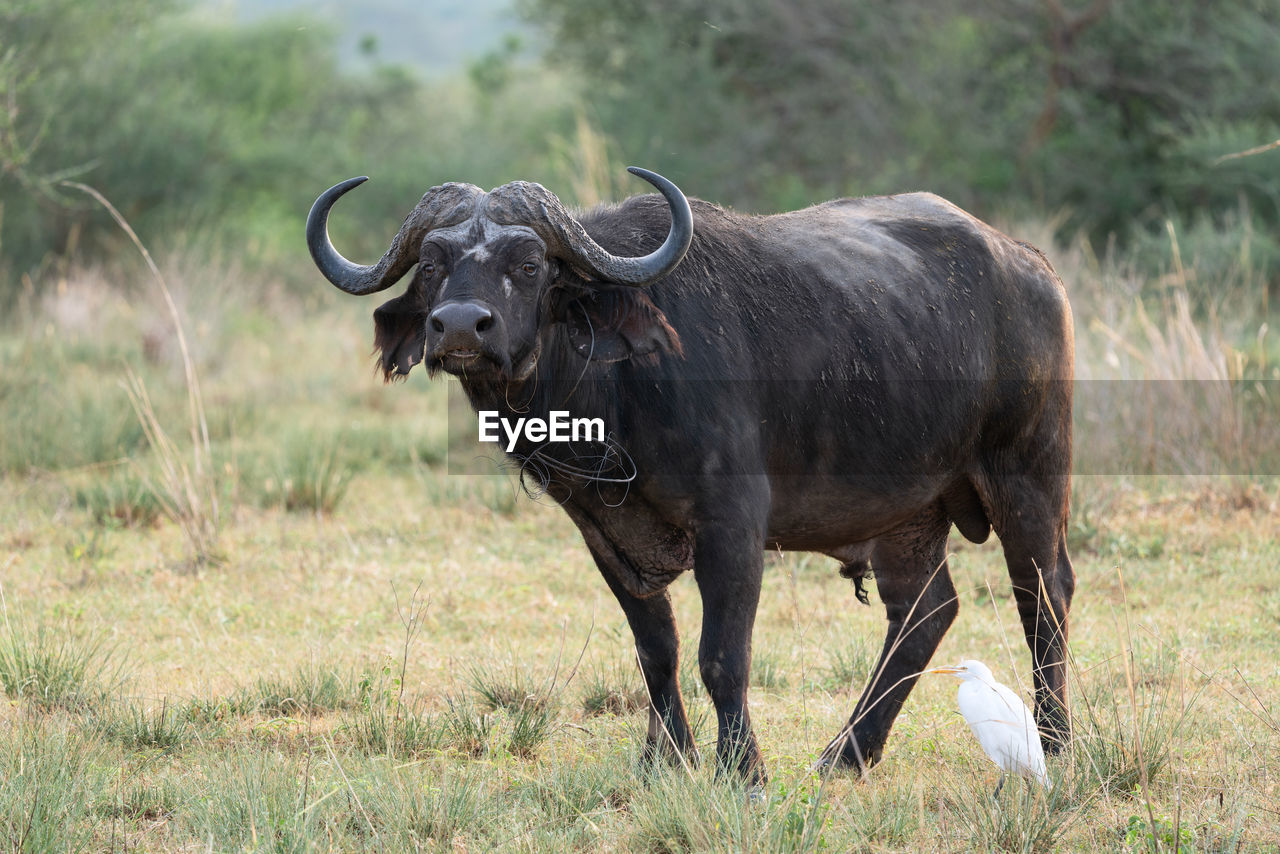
(1001, 721)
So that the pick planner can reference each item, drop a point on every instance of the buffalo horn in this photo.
(534, 205)
(441, 206)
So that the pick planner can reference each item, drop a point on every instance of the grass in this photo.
(137, 727)
(309, 689)
(124, 497)
(1122, 745)
(53, 774)
(52, 668)
(408, 736)
(611, 689)
(308, 472)
(851, 665)
(470, 730)
(297, 699)
(450, 770)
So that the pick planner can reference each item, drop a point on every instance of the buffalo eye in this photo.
(529, 268)
(427, 269)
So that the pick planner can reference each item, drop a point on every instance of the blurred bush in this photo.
(1115, 111)
(213, 136)
(216, 138)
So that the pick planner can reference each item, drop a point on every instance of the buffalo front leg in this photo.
(728, 565)
(920, 602)
(658, 650)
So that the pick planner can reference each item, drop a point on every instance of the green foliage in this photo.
(178, 123)
(1024, 818)
(308, 474)
(531, 726)
(444, 811)
(510, 686)
(58, 413)
(801, 817)
(851, 666)
(1158, 834)
(379, 731)
(219, 135)
(388, 726)
(255, 801)
(216, 135)
(470, 730)
(1125, 733)
(1116, 111)
(145, 802)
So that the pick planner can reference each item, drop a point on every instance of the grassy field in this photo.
(304, 634)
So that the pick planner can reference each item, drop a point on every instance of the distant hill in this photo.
(435, 36)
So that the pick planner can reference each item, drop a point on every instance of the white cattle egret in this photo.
(1002, 722)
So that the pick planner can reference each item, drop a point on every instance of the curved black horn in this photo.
(352, 278)
(664, 259)
(524, 203)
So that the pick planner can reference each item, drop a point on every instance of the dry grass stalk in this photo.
(188, 493)
(588, 167)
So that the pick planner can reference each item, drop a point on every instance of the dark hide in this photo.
(610, 324)
(851, 379)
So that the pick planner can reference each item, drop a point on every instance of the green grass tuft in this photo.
(470, 730)
(531, 726)
(137, 727)
(52, 778)
(509, 686)
(123, 497)
(379, 731)
(614, 690)
(311, 689)
(56, 669)
(850, 666)
(436, 810)
(304, 472)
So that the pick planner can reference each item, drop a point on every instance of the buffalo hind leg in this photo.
(1035, 549)
(658, 650)
(920, 603)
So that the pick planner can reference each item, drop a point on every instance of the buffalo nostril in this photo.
(461, 318)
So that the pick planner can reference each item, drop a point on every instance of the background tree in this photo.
(1110, 115)
(1113, 110)
(215, 136)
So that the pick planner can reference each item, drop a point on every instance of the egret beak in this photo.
(945, 670)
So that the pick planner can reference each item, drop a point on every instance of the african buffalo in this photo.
(850, 379)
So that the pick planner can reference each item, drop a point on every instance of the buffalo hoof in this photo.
(664, 752)
(840, 756)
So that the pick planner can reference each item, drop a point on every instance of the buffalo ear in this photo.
(611, 324)
(399, 335)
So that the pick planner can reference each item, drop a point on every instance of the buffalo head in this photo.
(495, 271)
